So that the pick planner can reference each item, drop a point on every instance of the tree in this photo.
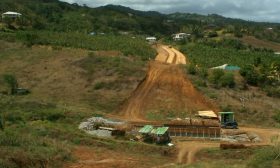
(250, 74)
(215, 76)
(11, 81)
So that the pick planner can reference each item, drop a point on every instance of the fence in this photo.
(192, 131)
(195, 132)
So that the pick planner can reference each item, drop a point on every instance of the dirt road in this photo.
(266, 134)
(188, 149)
(90, 158)
(170, 55)
(165, 88)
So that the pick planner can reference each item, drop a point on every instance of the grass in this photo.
(23, 150)
(38, 132)
(113, 76)
(207, 57)
(122, 66)
(32, 137)
(127, 45)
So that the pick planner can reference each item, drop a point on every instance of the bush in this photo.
(215, 76)
(212, 34)
(265, 157)
(272, 91)
(250, 74)
(29, 39)
(11, 81)
(21, 150)
(191, 69)
(99, 85)
(203, 73)
(221, 79)
(227, 80)
(276, 117)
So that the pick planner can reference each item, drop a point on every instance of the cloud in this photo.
(257, 10)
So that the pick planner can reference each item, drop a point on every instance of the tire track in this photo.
(165, 86)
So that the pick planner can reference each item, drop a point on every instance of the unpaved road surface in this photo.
(170, 55)
(89, 158)
(165, 87)
(266, 134)
(188, 149)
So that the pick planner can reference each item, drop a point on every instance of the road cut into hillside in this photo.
(165, 89)
(170, 55)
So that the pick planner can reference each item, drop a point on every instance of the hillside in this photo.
(63, 17)
(61, 64)
(59, 16)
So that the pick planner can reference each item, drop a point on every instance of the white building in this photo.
(180, 36)
(151, 39)
(11, 15)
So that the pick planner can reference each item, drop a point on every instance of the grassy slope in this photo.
(260, 43)
(41, 127)
(237, 158)
(258, 108)
(209, 57)
(66, 88)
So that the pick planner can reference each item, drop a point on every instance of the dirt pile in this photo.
(165, 91)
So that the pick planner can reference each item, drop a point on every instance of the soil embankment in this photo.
(166, 90)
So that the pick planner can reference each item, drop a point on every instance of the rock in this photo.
(256, 140)
(100, 133)
(252, 135)
(242, 138)
(231, 140)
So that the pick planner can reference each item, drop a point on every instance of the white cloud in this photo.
(258, 10)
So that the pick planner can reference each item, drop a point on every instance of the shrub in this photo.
(227, 80)
(215, 76)
(29, 39)
(272, 91)
(21, 150)
(11, 81)
(221, 79)
(276, 117)
(212, 34)
(250, 74)
(191, 69)
(99, 85)
(203, 73)
(265, 157)
(2, 122)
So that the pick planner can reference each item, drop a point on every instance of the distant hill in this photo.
(59, 16)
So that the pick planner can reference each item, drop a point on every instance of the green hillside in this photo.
(73, 74)
(59, 16)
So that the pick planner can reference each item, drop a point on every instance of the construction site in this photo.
(201, 125)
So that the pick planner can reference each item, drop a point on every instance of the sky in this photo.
(253, 10)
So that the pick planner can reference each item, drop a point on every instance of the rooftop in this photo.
(11, 13)
(226, 112)
(146, 129)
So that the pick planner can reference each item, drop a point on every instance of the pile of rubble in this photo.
(92, 126)
(240, 136)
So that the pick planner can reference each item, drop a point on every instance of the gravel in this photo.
(91, 126)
